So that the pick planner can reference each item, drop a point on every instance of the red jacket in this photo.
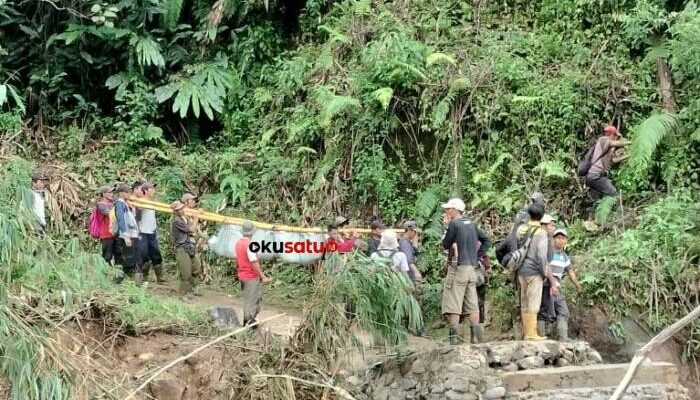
(103, 205)
(344, 246)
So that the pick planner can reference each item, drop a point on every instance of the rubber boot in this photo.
(562, 329)
(530, 327)
(477, 334)
(160, 275)
(517, 330)
(541, 327)
(455, 338)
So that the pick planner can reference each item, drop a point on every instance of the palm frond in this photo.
(439, 59)
(171, 12)
(147, 51)
(648, 136)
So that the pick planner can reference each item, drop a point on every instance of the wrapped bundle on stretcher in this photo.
(278, 243)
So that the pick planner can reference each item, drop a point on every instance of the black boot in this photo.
(477, 334)
(455, 338)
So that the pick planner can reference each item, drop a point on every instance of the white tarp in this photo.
(224, 243)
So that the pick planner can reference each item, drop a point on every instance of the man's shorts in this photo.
(459, 291)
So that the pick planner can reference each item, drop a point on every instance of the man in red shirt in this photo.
(336, 242)
(250, 275)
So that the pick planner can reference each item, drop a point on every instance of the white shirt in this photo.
(398, 260)
(39, 207)
(147, 224)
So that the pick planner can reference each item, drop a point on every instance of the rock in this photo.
(167, 389)
(438, 388)
(146, 356)
(408, 384)
(531, 362)
(457, 369)
(354, 381)
(459, 384)
(418, 367)
(495, 393)
(223, 317)
(562, 362)
(493, 381)
(394, 385)
(452, 395)
(512, 367)
(381, 393)
(595, 357)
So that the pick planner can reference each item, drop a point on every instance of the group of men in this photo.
(129, 237)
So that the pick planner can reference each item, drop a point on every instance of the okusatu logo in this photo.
(292, 247)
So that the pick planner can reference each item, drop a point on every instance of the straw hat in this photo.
(388, 240)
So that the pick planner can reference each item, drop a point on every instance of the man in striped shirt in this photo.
(554, 308)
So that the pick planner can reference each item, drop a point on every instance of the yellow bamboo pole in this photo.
(223, 219)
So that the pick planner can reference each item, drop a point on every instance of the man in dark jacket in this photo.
(459, 296)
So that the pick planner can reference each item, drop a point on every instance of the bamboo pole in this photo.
(223, 219)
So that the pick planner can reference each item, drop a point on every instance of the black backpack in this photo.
(585, 164)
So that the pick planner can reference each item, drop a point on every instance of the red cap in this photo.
(610, 130)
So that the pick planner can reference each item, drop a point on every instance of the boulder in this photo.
(167, 389)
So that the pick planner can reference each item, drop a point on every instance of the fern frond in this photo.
(334, 35)
(648, 136)
(171, 12)
(604, 209)
(383, 96)
(660, 51)
(439, 59)
(426, 204)
(552, 168)
(460, 84)
(336, 105)
(441, 110)
(362, 7)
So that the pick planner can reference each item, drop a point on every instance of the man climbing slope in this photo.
(603, 154)
(250, 274)
(459, 295)
(109, 243)
(377, 227)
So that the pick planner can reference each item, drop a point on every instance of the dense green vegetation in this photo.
(297, 111)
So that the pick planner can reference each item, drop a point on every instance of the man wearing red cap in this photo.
(604, 152)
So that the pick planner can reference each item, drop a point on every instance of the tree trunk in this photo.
(664, 84)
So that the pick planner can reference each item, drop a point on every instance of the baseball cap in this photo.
(560, 231)
(410, 225)
(611, 129)
(106, 189)
(455, 203)
(547, 219)
(377, 224)
(177, 205)
(187, 196)
(40, 176)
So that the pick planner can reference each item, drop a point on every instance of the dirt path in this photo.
(284, 326)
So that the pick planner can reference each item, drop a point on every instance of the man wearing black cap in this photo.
(148, 239)
(33, 201)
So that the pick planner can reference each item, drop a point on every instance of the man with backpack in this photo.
(459, 295)
(34, 203)
(388, 249)
(126, 230)
(148, 241)
(595, 165)
(100, 225)
(377, 227)
(531, 266)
